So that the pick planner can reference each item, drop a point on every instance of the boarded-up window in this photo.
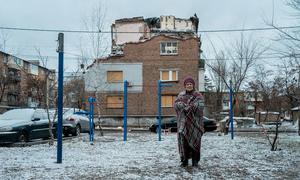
(115, 102)
(174, 75)
(165, 75)
(167, 100)
(168, 75)
(114, 76)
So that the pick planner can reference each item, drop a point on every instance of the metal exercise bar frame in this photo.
(91, 118)
(231, 111)
(125, 109)
(60, 51)
(160, 85)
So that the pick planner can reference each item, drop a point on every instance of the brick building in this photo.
(23, 83)
(143, 61)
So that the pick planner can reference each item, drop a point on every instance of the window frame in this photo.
(170, 75)
(34, 69)
(171, 46)
(117, 81)
(165, 105)
(115, 96)
(18, 61)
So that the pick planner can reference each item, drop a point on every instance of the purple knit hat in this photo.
(189, 79)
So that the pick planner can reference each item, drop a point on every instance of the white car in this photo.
(75, 123)
(238, 122)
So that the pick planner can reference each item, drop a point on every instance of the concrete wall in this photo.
(96, 77)
(131, 121)
(201, 87)
(121, 38)
(183, 25)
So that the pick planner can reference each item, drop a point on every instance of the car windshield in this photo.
(17, 114)
(66, 112)
(69, 111)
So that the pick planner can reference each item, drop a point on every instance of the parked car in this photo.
(209, 125)
(75, 121)
(23, 125)
(238, 122)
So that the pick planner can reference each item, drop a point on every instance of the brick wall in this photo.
(148, 53)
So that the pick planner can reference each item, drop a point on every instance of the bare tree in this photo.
(4, 37)
(4, 80)
(74, 92)
(270, 87)
(240, 58)
(218, 70)
(46, 91)
(289, 47)
(96, 43)
(96, 46)
(4, 75)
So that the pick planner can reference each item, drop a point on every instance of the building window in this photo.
(226, 104)
(18, 61)
(34, 69)
(169, 48)
(114, 76)
(169, 75)
(115, 102)
(168, 100)
(5, 59)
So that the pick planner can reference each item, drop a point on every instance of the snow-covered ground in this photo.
(248, 156)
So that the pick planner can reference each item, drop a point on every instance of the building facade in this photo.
(24, 83)
(166, 57)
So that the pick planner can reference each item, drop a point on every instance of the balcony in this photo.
(12, 103)
(14, 78)
(12, 91)
(13, 99)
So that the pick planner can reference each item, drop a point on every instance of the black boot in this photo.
(195, 163)
(184, 163)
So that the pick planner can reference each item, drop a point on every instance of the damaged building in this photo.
(138, 29)
(143, 52)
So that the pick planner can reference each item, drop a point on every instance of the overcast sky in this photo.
(70, 14)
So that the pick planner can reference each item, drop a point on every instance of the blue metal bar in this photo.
(231, 110)
(166, 85)
(159, 110)
(125, 109)
(60, 97)
(91, 118)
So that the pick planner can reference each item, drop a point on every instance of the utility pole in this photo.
(60, 51)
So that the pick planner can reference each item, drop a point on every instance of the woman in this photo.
(189, 108)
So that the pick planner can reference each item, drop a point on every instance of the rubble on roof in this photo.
(149, 28)
(133, 19)
(153, 22)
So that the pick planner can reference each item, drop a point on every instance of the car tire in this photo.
(23, 137)
(66, 134)
(77, 130)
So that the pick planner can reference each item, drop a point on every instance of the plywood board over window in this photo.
(114, 76)
(168, 100)
(169, 75)
(114, 102)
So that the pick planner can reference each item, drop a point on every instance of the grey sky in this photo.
(69, 15)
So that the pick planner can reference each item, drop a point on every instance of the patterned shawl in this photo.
(189, 109)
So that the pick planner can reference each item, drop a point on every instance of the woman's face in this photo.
(189, 86)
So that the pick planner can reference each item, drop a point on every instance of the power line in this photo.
(76, 57)
(95, 32)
